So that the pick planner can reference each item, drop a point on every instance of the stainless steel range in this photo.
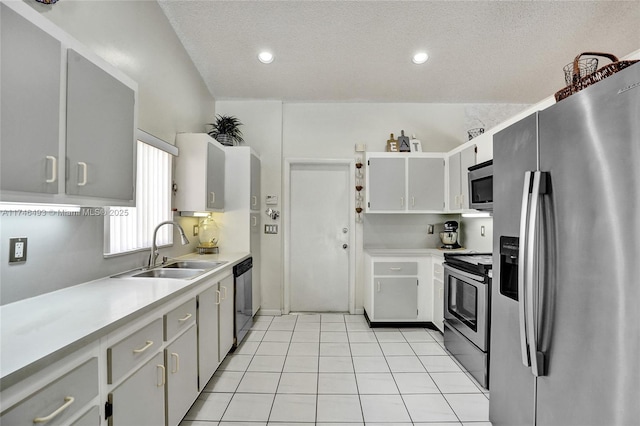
(467, 294)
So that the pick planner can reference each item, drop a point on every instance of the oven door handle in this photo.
(456, 271)
(523, 267)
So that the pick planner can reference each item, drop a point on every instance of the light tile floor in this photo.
(333, 370)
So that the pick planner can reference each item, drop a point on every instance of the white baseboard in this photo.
(276, 312)
(360, 311)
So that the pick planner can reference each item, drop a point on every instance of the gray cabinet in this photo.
(254, 202)
(208, 306)
(90, 159)
(426, 184)
(139, 400)
(395, 298)
(459, 164)
(181, 362)
(404, 183)
(30, 105)
(100, 132)
(215, 177)
(199, 173)
(386, 184)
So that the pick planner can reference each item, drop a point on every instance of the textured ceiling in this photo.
(480, 51)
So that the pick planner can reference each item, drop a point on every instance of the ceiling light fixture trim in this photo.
(420, 58)
(265, 57)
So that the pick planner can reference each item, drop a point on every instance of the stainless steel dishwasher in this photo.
(244, 303)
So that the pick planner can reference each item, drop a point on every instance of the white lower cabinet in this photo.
(181, 363)
(438, 293)
(226, 317)
(59, 401)
(139, 400)
(208, 306)
(397, 288)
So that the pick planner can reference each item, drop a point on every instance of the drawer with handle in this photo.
(130, 351)
(59, 401)
(395, 268)
(179, 319)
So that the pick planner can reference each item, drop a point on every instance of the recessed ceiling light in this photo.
(265, 57)
(420, 58)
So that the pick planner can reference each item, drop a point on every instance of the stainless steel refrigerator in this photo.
(565, 323)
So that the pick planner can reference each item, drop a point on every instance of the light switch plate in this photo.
(270, 229)
(17, 250)
(272, 200)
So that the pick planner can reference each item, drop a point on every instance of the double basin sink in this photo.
(182, 269)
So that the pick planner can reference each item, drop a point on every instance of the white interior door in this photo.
(319, 237)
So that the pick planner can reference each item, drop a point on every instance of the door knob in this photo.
(344, 246)
(345, 230)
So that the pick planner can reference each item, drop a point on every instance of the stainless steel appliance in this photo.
(467, 295)
(244, 300)
(481, 186)
(565, 324)
(449, 236)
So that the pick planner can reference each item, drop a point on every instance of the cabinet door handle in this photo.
(147, 345)
(186, 317)
(163, 373)
(254, 200)
(217, 297)
(68, 400)
(461, 200)
(378, 287)
(212, 197)
(176, 364)
(224, 292)
(54, 169)
(255, 221)
(401, 201)
(395, 269)
(83, 166)
(413, 201)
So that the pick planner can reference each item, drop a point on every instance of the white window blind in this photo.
(131, 228)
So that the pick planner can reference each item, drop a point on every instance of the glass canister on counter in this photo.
(209, 236)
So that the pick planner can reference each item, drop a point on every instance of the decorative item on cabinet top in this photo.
(392, 144)
(226, 130)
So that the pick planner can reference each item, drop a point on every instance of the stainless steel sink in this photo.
(170, 273)
(193, 264)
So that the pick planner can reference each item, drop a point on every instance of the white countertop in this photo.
(414, 252)
(37, 331)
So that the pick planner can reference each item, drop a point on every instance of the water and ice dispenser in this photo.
(509, 248)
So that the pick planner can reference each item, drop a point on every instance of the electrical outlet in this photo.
(196, 230)
(429, 229)
(482, 231)
(17, 250)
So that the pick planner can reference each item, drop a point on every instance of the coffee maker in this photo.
(449, 236)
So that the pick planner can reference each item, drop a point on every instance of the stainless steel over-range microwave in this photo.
(481, 186)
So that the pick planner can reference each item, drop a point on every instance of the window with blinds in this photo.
(129, 229)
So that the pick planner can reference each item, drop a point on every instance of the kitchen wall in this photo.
(331, 130)
(137, 38)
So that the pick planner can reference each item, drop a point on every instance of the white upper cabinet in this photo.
(200, 173)
(459, 163)
(68, 118)
(398, 183)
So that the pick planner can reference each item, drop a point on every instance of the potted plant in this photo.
(226, 130)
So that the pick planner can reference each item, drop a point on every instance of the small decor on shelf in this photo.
(226, 130)
(359, 188)
(403, 143)
(416, 145)
(392, 144)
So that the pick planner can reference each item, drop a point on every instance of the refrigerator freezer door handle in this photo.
(522, 267)
(532, 278)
